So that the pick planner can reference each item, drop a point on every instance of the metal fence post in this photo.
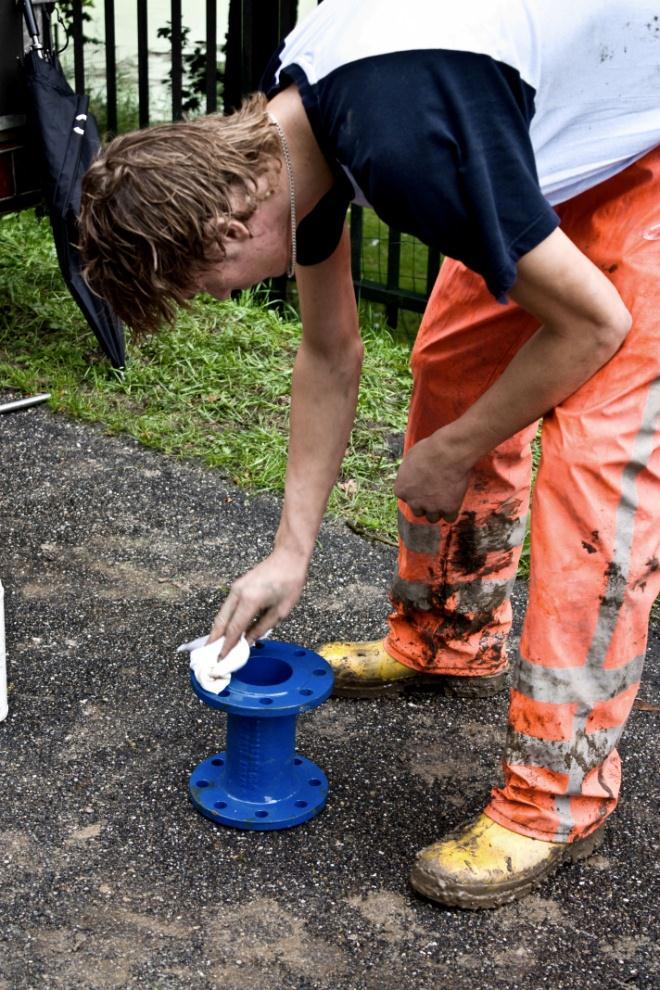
(211, 57)
(434, 260)
(393, 275)
(143, 63)
(177, 59)
(356, 230)
(78, 45)
(110, 66)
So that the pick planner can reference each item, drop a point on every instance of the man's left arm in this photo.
(583, 324)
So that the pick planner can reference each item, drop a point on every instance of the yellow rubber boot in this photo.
(366, 670)
(484, 864)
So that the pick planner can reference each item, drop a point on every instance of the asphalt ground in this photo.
(111, 556)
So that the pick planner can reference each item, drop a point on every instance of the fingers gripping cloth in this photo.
(259, 781)
(213, 674)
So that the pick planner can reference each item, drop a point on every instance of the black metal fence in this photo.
(215, 74)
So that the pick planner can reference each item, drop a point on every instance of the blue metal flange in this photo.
(260, 782)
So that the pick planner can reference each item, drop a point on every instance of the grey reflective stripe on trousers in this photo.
(575, 685)
(424, 537)
(584, 752)
(471, 597)
(419, 537)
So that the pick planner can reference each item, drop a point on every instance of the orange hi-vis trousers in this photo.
(595, 524)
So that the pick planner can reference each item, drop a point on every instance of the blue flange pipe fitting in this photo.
(260, 781)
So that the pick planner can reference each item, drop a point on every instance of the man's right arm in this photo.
(324, 394)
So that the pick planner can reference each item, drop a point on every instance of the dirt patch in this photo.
(435, 765)
(112, 582)
(335, 722)
(484, 735)
(76, 959)
(133, 568)
(269, 947)
(626, 948)
(95, 729)
(516, 962)
(104, 948)
(20, 856)
(156, 926)
(85, 833)
(343, 599)
(101, 960)
(389, 914)
(535, 909)
(601, 863)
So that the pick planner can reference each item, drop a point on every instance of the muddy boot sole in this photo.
(443, 891)
(445, 684)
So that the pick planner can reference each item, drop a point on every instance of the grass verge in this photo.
(215, 388)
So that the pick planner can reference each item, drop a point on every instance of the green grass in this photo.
(214, 388)
(412, 268)
(413, 258)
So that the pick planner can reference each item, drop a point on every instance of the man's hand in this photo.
(432, 479)
(260, 599)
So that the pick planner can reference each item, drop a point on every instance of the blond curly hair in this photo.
(156, 201)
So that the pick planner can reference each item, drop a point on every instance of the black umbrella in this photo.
(69, 140)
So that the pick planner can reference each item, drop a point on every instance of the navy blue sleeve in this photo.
(320, 231)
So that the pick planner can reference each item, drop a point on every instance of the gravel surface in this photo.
(111, 556)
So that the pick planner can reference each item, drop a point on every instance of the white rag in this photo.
(213, 674)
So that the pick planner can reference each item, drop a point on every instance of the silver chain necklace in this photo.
(291, 270)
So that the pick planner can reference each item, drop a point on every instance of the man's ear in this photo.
(236, 230)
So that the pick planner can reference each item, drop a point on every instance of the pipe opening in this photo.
(262, 671)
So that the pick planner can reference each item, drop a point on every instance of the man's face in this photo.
(256, 249)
